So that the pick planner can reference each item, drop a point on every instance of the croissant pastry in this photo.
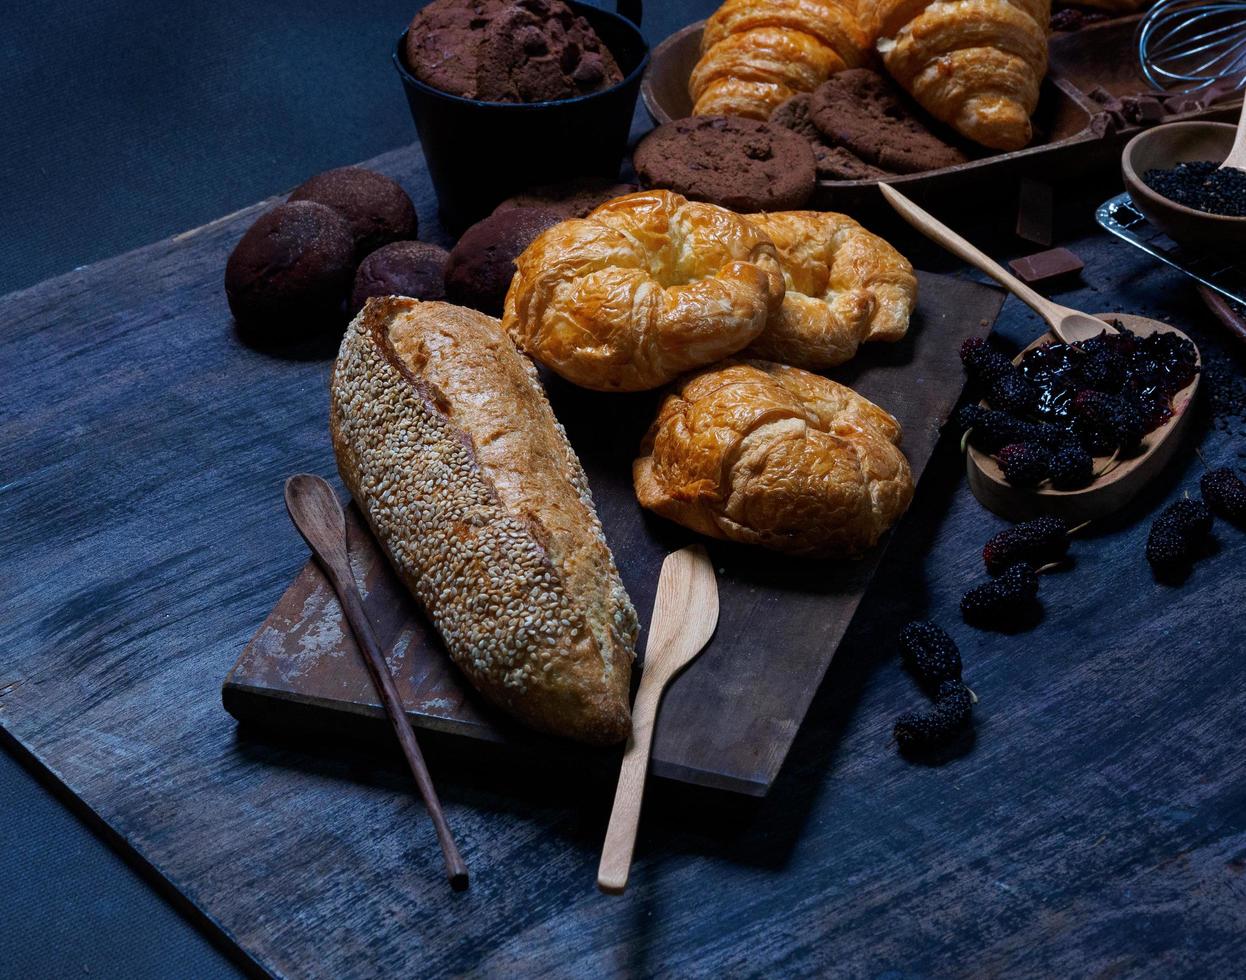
(974, 64)
(757, 53)
(768, 454)
(648, 286)
(845, 286)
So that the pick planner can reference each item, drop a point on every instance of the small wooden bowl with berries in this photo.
(1080, 420)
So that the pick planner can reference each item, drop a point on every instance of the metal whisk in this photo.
(1186, 46)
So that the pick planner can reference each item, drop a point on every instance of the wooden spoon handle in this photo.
(348, 594)
(616, 853)
(937, 231)
(1237, 155)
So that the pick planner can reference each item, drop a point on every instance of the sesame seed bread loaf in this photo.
(445, 439)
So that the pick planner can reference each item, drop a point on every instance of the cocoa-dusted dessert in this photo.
(377, 209)
(870, 115)
(508, 51)
(414, 269)
(832, 162)
(482, 264)
(292, 266)
(741, 164)
(573, 199)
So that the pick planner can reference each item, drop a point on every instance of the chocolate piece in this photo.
(292, 268)
(872, 117)
(1141, 110)
(1042, 266)
(482, 264)
(415, 269)
(376, 208)
(508, 51)
(1034, 211)
(742, 164)
(573, 199)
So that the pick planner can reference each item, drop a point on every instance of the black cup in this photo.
(480, 153)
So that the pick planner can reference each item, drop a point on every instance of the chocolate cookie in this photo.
(742, 164)
(415, 269)
(867, 113)
(376, 208)
(574, 199)
(831, 162)
(482, 264)
(292, 266)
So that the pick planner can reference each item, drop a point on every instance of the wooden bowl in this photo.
(1065, 119)
(1164, 147)
(1109, 492)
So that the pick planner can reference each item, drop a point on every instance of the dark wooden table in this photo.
(1097, 825)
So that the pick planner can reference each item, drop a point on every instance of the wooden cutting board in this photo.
(729, 720)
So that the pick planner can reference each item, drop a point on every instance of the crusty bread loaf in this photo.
(772, 455)
(446, 441)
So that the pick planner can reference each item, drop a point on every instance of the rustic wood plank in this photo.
(1096, 826)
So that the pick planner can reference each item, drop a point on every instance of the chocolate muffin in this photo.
(870, 115)
(415, 269)
(742, 164)
(573, 199)
(831, 162)
(376, 208)
(482, 264)
(508, 51)
(292, 268)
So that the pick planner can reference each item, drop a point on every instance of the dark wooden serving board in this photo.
(729, 720)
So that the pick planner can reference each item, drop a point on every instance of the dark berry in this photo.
(1037, 542)
(1025, 464)
(1003, 600)
(1108, 422)
(1010, 392)
(920, 731)
(1103, 369)
(1178, 534)
(929, 654)
(1225, 493)
(983, 364)
(1071, 467)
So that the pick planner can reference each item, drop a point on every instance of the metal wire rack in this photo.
(1211, 267)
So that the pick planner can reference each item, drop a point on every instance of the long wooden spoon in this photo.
(1071, 326)
(316, 513)
(1113, 489)
(685, 613)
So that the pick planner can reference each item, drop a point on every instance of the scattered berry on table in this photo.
(1225, 494)
(951, 713)
(929, 654)
(1025, 464)
(1037, 542)
(1071, 467)
(1004, 600)
(1178, 535)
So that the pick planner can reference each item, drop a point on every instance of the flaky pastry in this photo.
(757, 53)
(648, 286)
(974, 64)
(768, 454)
(845, 286)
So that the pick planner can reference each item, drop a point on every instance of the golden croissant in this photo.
(768, 454)
(845, 286)
(974, 64)
(648, 286)
(757, 53)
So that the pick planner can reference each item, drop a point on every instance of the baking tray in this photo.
(1220, 270)
(1100, 56)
